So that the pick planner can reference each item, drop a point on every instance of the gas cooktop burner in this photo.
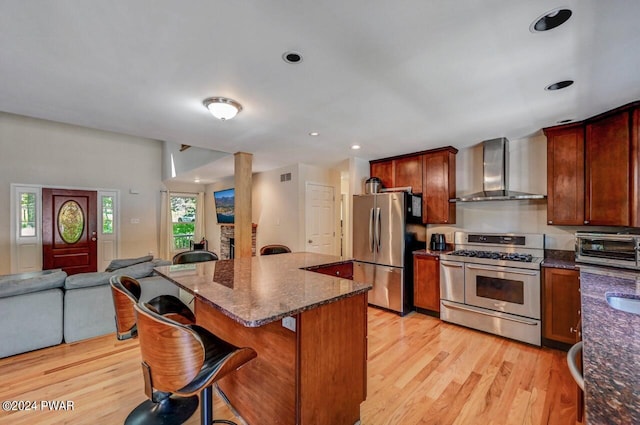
(511, 256)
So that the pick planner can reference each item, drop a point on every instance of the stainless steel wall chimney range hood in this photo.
(496, 175)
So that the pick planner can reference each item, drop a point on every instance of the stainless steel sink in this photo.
(624, 302)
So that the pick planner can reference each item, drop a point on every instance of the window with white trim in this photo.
(183, 219)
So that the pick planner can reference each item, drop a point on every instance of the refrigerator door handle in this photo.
(371, 241)
(378, 229)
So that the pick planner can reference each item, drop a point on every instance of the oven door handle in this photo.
(498, 315)
(503, 269)
(448, 264)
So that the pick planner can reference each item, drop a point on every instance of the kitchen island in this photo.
(309, 330)
(611, 353)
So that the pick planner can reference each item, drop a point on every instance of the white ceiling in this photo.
(393, 76)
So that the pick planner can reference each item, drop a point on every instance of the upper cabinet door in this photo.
(635, 167)
(439, 171)
(408, 172)
(384, 170)
(565, 175)
(608, 154)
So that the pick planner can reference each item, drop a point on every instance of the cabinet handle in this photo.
(337, 273)
(550, 222)
(572, 330)
(586, 222)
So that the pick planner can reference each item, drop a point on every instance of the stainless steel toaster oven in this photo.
(608, 249)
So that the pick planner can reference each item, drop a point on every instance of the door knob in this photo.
(94, 239)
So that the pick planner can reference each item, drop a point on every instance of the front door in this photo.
(69, 230)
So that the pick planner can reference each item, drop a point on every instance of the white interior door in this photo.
(320, 219)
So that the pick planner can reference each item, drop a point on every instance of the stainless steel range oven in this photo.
(492, 283)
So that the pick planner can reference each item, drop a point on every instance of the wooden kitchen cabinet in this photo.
(408, 172)
(561, 304)
(593, 170)
(431, 173)
(399, 172)
(565, 175)
(385, 171)
(426, 282)
(439, 173)
(607, 164)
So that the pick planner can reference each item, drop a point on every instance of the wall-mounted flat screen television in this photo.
(225, 202)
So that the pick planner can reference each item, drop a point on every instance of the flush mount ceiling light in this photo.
(314, 133)
(355, 147)
(222, 107)
(559, 85)
(550, 20)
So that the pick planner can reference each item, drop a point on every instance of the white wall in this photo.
(40, 152)
(275, 208)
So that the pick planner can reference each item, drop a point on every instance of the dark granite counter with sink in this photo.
(259, 290)
(559, 259)
(611, 351)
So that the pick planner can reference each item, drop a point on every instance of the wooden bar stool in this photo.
(162, 407)
(185, 359)
(126, 292)
(274, 249)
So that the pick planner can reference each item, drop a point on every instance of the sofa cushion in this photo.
(24, 283)
(30, 321)
(86, 280)
(126, 262)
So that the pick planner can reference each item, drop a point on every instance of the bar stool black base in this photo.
(169, 411)
(206, 409)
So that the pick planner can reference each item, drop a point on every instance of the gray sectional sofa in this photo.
(42, 309)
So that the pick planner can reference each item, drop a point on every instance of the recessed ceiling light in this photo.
(564, 121)
(559, 85)
(292, 57)
(550, 20)
(196, 180)
(314, 133)
(355, 147)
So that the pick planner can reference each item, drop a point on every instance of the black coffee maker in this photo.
(438, 242)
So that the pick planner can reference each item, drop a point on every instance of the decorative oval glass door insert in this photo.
(70, 222)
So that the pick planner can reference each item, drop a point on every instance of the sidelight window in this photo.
(27, 214)
(107, 215)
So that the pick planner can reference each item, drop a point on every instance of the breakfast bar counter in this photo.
(309, 330)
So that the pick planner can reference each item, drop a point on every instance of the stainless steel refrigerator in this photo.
(382, 246)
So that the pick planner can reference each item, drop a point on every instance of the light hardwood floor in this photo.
(421, 371)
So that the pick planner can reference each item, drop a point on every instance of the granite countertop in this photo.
(559, 259)
(259, 290)
(611, 352)
(433, 252)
